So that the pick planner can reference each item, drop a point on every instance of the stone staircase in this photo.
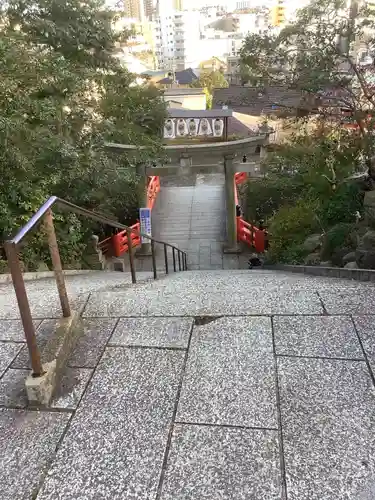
(230, 385)
(189, 213)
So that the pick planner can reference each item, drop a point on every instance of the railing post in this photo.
(179, 260)
(174, 260)
(24, 307)
(185, 259)
(56, 263)
(153, 259)
(131, 255)
(166, 259)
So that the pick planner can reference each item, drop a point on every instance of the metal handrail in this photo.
(44, 214)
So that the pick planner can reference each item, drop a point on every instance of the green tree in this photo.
(209, 80)
(63, 94)
(319, 53)
(306, 190)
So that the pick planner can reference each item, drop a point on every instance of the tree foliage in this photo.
(209, 80)
(63, 94)
(306, 189)
(319, 56)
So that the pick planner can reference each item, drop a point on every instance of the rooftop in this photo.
(256, 101)
(184, 77)
(179, 91)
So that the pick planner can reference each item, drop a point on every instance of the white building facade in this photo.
(177, 39)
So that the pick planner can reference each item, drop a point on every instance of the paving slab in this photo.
(12, 330)
(229, 377)
(327, 336)
(43, 297)
(349, 300)
(88, 349)
(85, 354)
(115, 445)
(210, 300)
(8, 351)
(152, 332)
(366, 329)
(217, 463)
(72, 386)
(43, 333)
(91, 345)
(28, 443)
(327, 409)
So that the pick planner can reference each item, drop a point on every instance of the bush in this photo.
(339, 241)
(305, 191)
(289, 227)
(64, 94)
(342, 205)
(265, 196)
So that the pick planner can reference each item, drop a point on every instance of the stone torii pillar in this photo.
(185, 157)
(231, 245)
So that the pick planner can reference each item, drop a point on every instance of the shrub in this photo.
(265, 196)
(338, 241)
(63, 95)
(288, 229)
(342, 205)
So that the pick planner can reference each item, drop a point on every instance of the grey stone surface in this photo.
(43, 297)
(8, 351)
(119, 434)
(229, 377)
(13, 330)
(28, 443)
(215, 293)
(327, 336)
(115, 445)
(12, 388)
(43, 334)
(350, 300)
(91, 345)
(351, 265)
(366, 329)
(69, 392)
(222, 464)
(312, 242)
(191, 214)
(349, 257)
(40, 389)
(152, 332)
(217, 298)
(327, 409)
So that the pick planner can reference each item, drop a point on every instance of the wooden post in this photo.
(56, 263)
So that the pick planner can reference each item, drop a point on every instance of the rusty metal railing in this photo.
(44, 215)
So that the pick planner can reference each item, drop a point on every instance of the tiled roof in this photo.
(255, 101)
(183, 91)
(184, 77)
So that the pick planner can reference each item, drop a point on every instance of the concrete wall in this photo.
(186, 101)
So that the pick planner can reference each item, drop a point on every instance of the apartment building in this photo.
(177, 38)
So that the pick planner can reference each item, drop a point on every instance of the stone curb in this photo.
(57, 350)
(330, 272)
(7, 278)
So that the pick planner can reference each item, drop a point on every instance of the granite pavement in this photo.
(205, 385)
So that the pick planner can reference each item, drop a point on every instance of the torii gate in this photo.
(193, 157)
